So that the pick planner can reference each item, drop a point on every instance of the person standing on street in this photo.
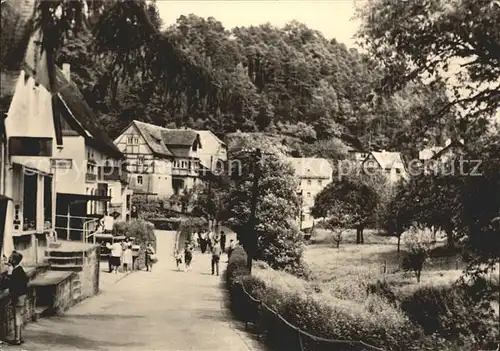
(115, 256)
(223, 241)
(17, 282)
(216, 252)
(230, 249)
(150, 257)
(210, 240)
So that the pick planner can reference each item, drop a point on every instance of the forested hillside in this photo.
(289, 81)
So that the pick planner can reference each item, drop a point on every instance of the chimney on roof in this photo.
(447, 142)
(66, 68)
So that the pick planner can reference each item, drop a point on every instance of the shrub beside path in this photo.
(163, 310)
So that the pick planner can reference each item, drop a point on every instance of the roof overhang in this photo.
(82, 198)
(4, 198)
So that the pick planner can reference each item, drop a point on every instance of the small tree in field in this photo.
(349, 201)
(337, 235)
(338, 225)
(418, 242)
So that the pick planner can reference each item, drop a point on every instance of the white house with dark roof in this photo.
(213, 155)
(162, 162)
(314, 175)
(89, 173)
(435, 158)
(391, 163)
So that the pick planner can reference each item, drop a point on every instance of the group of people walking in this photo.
(121, 256)
(208, 243)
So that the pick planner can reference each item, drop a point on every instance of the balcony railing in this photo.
(177, 171)
(75, 228)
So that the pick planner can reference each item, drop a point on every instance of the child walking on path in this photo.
(178, 259)
(188, 256)
(150, 257)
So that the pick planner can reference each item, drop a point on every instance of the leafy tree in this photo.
(210, 203)
(349, 198)
(479, 223)
(279, 242)
(459, 38)
(197, 73)
(338, 227)
(418, 242)
(396, 220)
(430, 200)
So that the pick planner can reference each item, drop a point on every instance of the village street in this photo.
(162, 310)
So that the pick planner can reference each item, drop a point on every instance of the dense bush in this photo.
(142, 232)
(375, 321)
(237, 266)
(450, 313)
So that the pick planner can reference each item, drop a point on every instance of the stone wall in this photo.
(63, 297)
(89, 276)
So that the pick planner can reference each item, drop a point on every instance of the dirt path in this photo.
(160, 310)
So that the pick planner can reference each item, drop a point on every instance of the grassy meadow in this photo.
(349, 269)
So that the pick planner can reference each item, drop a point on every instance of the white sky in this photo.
(334, 18)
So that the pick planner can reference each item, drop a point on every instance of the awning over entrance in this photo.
(73, 198)
(4, 198)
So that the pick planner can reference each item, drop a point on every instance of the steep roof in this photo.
(205, 133)
(153, 136)
(311, 167)
(75, 104)
(179, 137)
(388, 160)
(17, 29)
(167, 142)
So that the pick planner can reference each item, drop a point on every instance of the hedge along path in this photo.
(335, 344)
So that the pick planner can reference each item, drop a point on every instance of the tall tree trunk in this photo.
(450, 239)
(399, 242)
(361, 235)
(358, 237)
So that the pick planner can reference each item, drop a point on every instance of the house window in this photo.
(30, 201)
(309, 182)
(139, 180)
(47, 199)
(177, 185)
(308, 194)
(320, 182)
(136, 140)
(398, 171)
(140, 160)
(130, 140)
